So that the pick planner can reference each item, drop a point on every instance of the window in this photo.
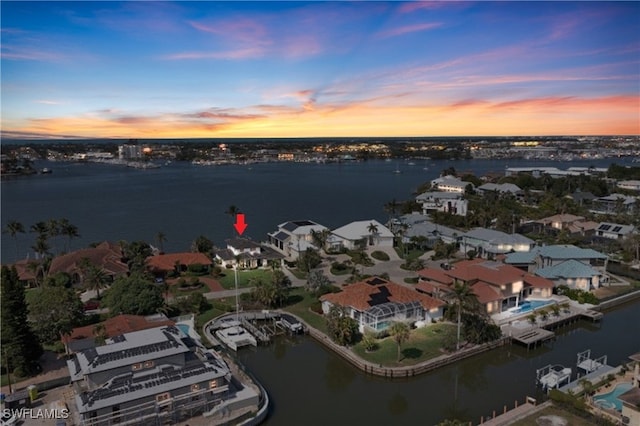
(137, 366)
(163, 397)
(195, 387)
(213, 384)
(148, 364)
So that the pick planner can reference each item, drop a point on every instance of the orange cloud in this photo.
(538, 116)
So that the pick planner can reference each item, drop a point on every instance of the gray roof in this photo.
(127, 349)
(557, 252)
(281, 236)
(429, 229)
(410, 219)
(242, 243)
(360, 229)
(493, 236)
(502, 187)
(301, 227)
(615, 228)
(626, 199)
(568, 269)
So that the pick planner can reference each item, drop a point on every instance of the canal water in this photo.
(310, 385)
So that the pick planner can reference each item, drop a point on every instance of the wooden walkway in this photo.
(592, 315)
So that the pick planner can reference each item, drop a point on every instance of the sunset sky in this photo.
(293, 69)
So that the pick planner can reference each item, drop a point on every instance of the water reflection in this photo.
(398, 404)
(338, 374)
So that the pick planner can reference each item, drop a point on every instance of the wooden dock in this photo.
(592, 315)
(533, 337)
(257, 333)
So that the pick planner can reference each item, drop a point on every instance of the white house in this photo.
(614, 231)
(450, 184)
(489, 242)
(295, 237)
(361, 234)
(447, 202)
(246, 254)
(633, 185)
(503, 188)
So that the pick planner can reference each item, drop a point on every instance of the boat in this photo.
(46, 171)
(236, 337)
(397, 170)
(291, 323)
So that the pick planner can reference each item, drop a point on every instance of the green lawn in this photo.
(423, 344)
(380, 255)
(304, 300)
(228, 281)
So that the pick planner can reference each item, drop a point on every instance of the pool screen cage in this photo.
(392, 311)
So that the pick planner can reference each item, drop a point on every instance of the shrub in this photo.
(380, 255)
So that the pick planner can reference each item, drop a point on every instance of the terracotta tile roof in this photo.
(431, 287)
(22, 268)
(106, 255)
(363, 295)
(117, 325)
(486, 292)
(167, 262)
(491, 272)
(437, 275)
(537, 282)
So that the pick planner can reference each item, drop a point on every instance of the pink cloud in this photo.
(240, 53)
(407, 29)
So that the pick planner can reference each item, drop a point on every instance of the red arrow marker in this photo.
(240, 225)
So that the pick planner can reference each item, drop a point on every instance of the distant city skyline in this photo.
(319, 69)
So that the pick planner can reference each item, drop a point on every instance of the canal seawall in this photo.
(611, 303)
(405, 371)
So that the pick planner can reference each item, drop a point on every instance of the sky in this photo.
(241, 69)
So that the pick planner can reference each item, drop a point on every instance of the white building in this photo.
(295, 237)
(450, 184)
(633, 185)
(447, 202)
(614, 231)
(360, 234)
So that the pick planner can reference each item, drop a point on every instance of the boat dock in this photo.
(553, 376)
(257, 333)
(592, 315)
(533, 337)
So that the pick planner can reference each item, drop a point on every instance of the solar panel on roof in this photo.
(617, 228)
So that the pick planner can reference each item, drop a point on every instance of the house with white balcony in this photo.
(446, 202)
(295, 237)
(154, 376)
(244, 253)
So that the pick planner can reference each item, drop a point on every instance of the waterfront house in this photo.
(26, 272)
(153, 376)
(450, 183)
(81, 338)
(359, 235)
(106, 256)
(434, 282)
(581, 198)
(501, 188)
(614, 231)
(489, 243)
(559, 263)
(615, 204)
(376, 303)
(295, 237)
(446, 202)
(246, 254)
(162, 265)
(631, 185)
(498, 286)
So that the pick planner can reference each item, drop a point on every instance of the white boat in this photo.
(236, 337)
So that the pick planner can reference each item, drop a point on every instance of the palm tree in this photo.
(373, 231)
(100, 334)
(320, 238)
(53, 230)
(400, 332)
(14, 228)
(161, 238)
(464, 299)
(41, 247)
(69, 230)
(93, 277)
(233, 211)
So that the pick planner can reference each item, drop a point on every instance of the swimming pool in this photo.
(184, 328)
(530, 305)
(610, 400)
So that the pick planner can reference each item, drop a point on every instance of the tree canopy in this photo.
(133, 295)
(56, 311)
(20, 346)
